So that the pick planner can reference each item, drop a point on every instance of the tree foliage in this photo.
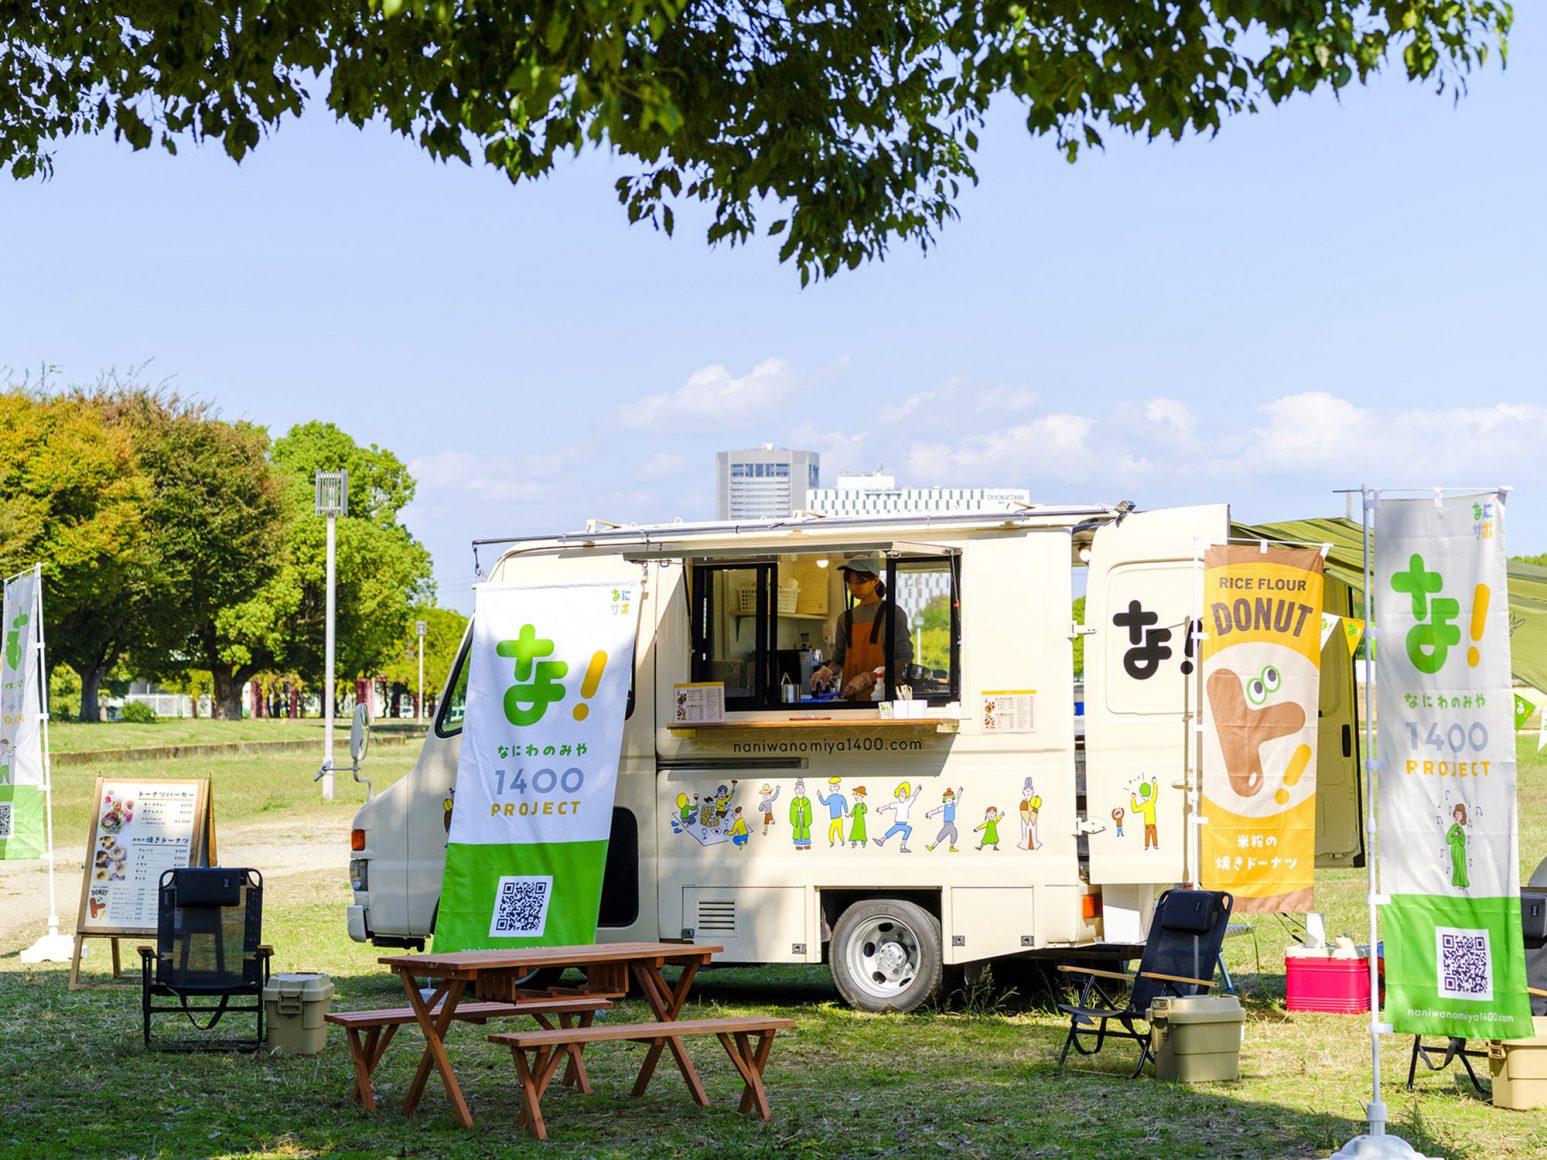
(73, 497)
(442, 638)
(174, 541)
(383, 573)
(856, 119)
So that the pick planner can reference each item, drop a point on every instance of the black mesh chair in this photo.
(1179, 958)
(207, 956)
(1439, 1056)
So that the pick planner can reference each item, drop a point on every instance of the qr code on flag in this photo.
(1463, 966)
(521, 906)
(7, 826)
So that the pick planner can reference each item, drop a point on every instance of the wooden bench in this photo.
(537, 1055)
(380, 1026)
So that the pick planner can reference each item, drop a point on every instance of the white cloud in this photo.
(713, 399)
(663, 465)
(1171, 415)
(491, 477)
(1004, 400)
(899, 412)
(1056, 443)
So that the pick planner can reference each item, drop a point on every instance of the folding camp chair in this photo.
(1179, 958)
(1533, 925)
(207, 954)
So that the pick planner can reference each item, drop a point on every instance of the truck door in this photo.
(1339, 820)
(1138, 738)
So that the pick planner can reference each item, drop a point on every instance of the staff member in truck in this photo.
(859, 651)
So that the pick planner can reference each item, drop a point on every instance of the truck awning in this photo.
(1345, 562)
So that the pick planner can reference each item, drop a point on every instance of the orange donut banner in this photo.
(1262, 642)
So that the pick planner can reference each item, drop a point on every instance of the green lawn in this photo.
(75, 737)
(973, 1077)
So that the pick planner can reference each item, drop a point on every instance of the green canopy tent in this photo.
(1345, 563)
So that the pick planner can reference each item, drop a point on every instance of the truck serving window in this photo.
(453, 708)
(762, 627)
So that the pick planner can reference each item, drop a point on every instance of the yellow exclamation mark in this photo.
(593, 678)
(1298, 762)
(1479, 620)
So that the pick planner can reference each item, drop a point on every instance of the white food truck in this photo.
(969, 809)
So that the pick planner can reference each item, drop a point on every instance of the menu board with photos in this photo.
(141, 828)
(1010, 711)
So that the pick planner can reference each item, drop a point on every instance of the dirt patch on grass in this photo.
(278, 849)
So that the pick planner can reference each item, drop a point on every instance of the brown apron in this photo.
(865, 652)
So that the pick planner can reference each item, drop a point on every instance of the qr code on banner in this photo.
(1464, 968)
(521, 907)
(6, 825)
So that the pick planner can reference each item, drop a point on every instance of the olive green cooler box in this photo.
(295, 1006)
(1196, 1038)
(1519, 1068)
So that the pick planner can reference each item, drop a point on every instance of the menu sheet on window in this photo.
(139, 829)
(1009, 711)
(699, 701)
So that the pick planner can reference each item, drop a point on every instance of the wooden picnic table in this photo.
(497, 975)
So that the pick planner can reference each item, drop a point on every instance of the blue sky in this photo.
(1327, 294)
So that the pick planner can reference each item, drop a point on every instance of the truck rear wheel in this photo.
(885, 955)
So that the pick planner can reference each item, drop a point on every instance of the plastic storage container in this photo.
(1519, 1068)
(295, 1006)
(1324, 979)
(1197, 1038)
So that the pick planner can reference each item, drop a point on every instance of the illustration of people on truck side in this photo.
(947, 808)
(686, 811)
(722, 801)
(739, 834)
(857, 812)
(990, 828)
(770, 795)
(1455, 837)
(800, 816)
(1031, 806)
(837, 809)
(1144, 805)
(900, 805)
(1117, 820)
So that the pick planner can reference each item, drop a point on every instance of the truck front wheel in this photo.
(885, 955)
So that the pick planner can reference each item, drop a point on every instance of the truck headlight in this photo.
(359, 874)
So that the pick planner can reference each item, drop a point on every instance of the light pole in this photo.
(332, 502)
(419, 627)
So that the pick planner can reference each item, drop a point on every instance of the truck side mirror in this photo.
(359, 734)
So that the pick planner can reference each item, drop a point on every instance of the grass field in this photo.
(973, 1076)
(75, 737)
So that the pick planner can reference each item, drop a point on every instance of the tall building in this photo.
(876, 493)
(764, 482)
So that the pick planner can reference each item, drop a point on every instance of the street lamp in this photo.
(419, 628)
(332, 502)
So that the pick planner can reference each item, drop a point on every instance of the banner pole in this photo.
(54, 946)
(1377, 1109)
(1195, 777)
(1376, 1143)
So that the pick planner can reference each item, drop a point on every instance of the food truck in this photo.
(969, 808)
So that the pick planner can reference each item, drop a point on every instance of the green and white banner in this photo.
(546, 697)
(1449, 858)
(21, 715)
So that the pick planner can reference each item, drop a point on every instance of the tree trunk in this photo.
(91, 693)
(226, 699)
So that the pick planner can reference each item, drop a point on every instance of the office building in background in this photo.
(876, 493)
(764, 482)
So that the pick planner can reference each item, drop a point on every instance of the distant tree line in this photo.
(176, 544)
